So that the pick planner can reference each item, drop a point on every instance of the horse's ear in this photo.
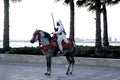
(36, 29)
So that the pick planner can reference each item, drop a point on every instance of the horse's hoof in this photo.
(67, 73)
(48, 74)
(70, 72)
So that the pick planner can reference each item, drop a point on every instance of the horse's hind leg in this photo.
(71, 62)
(72, 54)
(68, 69)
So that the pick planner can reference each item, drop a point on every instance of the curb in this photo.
(60, 60)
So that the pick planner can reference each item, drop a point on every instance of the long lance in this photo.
(53, 20)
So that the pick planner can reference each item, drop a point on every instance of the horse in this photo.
(49, 48)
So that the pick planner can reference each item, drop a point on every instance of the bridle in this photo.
(37, 32)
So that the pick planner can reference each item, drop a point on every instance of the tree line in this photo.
(98, 6)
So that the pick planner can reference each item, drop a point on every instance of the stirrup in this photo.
(60, 52)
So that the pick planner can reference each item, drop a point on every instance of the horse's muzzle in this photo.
(32, 41)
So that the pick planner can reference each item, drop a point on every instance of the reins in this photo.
(39, 40)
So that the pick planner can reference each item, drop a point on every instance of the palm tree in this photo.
(6, 46)
(98, 43)
(104, 10)
(105, 26)
(6, 26)
(72, 13)
(94, 5)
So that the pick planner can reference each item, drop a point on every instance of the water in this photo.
(93, 44)
(28, 44)
(20, 44)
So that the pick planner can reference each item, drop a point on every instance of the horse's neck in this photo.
(41, 34)
(45, 38)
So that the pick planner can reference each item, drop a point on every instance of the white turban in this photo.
(60, 22)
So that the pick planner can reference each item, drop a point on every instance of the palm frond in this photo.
(67, 1)
(92, 8)
(81, 3)
(16, 1)
(58, 0)
(112, 2)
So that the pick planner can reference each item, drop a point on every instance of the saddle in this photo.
(54, 45)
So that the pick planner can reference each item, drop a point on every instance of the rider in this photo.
(61, 34)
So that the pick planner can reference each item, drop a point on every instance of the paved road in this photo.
(35, 71)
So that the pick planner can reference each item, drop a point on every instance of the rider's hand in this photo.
(52, 33)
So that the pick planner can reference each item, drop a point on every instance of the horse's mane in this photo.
(48, 36)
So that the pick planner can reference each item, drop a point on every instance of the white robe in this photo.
(61, 36)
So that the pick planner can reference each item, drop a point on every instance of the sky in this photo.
(29, 15)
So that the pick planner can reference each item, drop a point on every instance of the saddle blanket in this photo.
(55, 45)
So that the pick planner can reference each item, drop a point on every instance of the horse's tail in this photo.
(74, 47)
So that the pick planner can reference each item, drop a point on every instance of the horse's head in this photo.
(36, 36)
(42, 37)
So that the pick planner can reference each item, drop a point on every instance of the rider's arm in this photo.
(59, 31)
(56, 29)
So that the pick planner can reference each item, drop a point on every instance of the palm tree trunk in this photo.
(105, 32)
(98, 43)
(6, 26)
(72, 19)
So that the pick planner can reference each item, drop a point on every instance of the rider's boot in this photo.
(61, 49)
(60, 52)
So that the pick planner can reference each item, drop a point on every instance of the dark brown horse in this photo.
(49, 48)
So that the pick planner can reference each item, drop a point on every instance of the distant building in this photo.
(109, 38)
(115, 39)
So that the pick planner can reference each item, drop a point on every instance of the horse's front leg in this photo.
(48, 62)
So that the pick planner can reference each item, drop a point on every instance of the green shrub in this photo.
(81, 51)
(107, 52)
(26, 50)
(0, 50)
(84, 51)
